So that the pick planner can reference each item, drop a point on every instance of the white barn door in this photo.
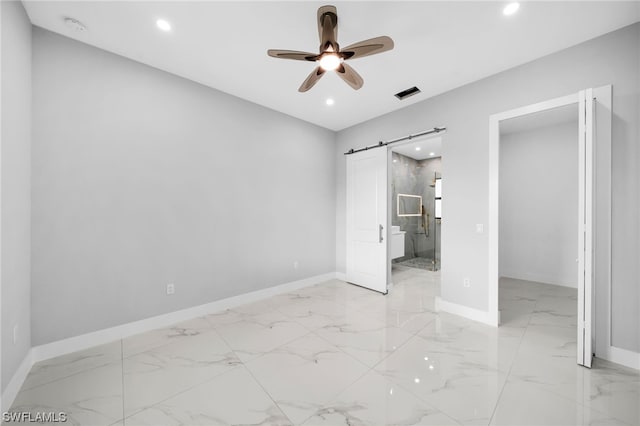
(367, 219)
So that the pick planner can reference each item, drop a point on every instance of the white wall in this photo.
(539, 204)
(15, 166)
(142, 178)
(610, 59)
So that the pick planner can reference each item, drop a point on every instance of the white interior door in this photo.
(586, 231)
(367, 219)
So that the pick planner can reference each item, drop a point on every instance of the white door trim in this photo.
(602, 238)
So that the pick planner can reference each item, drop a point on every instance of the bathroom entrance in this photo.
(416, 204)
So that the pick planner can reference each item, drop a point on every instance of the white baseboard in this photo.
(484, 317)
(538, 278)
(100, 337)
(12, 389)
(623, 357)
(85, 341)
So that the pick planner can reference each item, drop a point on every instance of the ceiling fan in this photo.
(331, 57)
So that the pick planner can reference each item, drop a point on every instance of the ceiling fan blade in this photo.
(350, 76)
(367, 47)
(312, 79)
(292, 54)
(328, 28)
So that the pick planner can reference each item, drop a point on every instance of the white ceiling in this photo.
(438, 45)
(426, 147)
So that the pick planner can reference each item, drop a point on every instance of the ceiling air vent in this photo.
(406, 93)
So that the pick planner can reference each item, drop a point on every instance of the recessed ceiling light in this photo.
(511, 8)
(432, 154)
(330, 101)
(418, 148)
(163, 25)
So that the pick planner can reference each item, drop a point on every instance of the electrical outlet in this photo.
(295, 265)
(171, 288)
(479, 228)
(467, 282)
(15, 334)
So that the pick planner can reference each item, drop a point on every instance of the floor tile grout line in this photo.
(210, 379)
(340, 349)
(341, 391)
(508, 375)
(310, 332)
(95, 367)
(267, 393)
(418, 397)
(189, 388)
(406, 389)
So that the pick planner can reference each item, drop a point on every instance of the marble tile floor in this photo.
(420, 262)
(337, 354)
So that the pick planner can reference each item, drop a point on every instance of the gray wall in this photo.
(141, 178)
(15, 154)
(539, 204)
(610, 59)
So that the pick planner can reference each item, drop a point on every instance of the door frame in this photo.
(599, 169)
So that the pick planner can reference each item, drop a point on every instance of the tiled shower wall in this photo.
(414, 177)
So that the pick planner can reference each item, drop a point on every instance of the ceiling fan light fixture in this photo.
(330, 62)
(331, 57)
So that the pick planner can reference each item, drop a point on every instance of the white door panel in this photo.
(586, 230)
(367, 219)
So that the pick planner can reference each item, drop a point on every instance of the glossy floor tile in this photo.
(338, 354)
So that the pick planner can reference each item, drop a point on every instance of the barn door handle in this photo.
(380, 238)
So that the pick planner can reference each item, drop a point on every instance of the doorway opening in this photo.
(538, 223)
(416, 197)
(415, 213)
(541, 212)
